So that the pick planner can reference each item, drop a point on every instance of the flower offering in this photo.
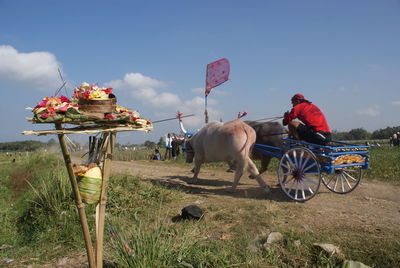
(90, 104)
(92, 92)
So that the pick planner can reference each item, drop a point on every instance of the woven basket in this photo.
(97, 106)
(90, 185)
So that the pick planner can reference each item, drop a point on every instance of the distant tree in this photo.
(358, 134)
(160, 142)
(384, 133)
(150, 144)
(336, 135)
(118, 146)
(51, 142)
(21, 146)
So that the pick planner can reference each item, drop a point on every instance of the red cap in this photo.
(298, 96)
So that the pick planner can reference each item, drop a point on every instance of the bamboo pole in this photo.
(103, 199)
(78, 200)
(86, 130)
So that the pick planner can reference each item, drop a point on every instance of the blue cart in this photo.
(303, 165)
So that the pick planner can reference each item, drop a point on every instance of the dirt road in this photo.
(374, 207)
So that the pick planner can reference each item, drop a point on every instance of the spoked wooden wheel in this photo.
(299, 174)
(344, 180)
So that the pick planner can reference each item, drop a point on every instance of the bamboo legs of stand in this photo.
(101, 207)
(78, 200)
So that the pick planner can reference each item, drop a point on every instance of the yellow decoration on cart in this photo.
(348, 159)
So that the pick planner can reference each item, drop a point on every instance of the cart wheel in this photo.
(299, 174)
(344, 180)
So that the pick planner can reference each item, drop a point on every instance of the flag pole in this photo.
(205, 111)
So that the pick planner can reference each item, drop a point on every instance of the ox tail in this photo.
(247, 149)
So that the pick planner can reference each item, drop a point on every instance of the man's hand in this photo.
(285, 115)
(179, 115)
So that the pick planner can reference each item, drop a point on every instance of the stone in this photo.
(273, 237)
(330, 249)
(192, 212)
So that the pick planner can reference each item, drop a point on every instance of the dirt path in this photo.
(374, 207)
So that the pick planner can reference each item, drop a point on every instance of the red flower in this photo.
(64, 99)
(41, 104)
(45, 115)
(87, 95)
(134, 118)
(63, 109)
(108, 90)
(148, 122)
(51, 109)
(110, 116)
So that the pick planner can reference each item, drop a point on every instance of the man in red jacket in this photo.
(314, 127)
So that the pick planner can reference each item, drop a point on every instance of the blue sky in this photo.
(344, 56)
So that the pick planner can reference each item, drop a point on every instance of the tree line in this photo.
(26, 146)
(362, 134)
(354, 134)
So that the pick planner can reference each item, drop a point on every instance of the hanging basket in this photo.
(90, 185)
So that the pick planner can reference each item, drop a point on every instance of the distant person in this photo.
(313, 127)
(174, 146)
(395, 139)
(187, 134)
(398, 138)
(168, 146)
(157, 155)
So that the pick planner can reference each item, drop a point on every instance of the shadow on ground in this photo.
(181, 183)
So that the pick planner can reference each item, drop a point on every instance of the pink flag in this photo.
(217, 73)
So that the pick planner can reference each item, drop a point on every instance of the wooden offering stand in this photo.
(109, 132)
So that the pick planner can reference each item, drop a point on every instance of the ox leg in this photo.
(254, 172)
(196, 170)
(231, 165)
(265, 159)
(238, 174)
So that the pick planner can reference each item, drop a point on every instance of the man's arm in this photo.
(289, 116)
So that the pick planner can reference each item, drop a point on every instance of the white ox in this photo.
(227, 141)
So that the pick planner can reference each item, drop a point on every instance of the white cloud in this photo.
(370, 111)
(396, 102)
(196, 106)
(144, 93)
(35, 70)
(135, 81)
(165, 99)
(144, 89)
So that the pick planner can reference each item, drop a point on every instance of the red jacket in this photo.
(309, 114)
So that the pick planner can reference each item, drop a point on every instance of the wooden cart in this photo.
(302, 166)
